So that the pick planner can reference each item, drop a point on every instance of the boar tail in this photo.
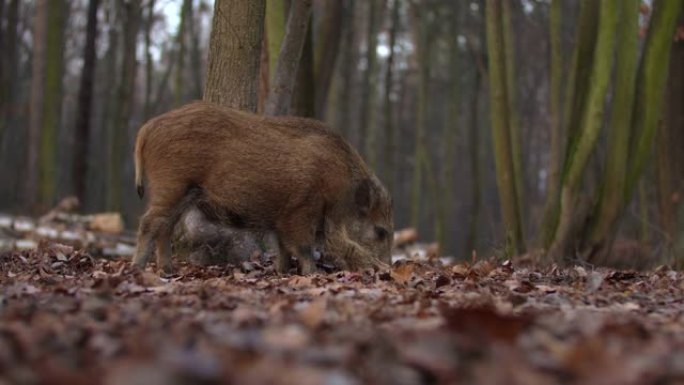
(139, 143)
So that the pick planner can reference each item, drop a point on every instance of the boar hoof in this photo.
(167, 269)
(307, 266)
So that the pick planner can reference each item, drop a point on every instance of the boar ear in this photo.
(364, 196)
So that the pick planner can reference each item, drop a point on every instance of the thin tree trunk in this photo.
(179, 81)
(149, 63)
(501, 133)
(475, 183)
(3, 71)
(577, 85)
(196, 54)
(348, 63)
(651, 86)
(8, 111)
(613, 187)
(304, 92)
(390, 136)
(125, 92)
(276, 18)
(326, 51)
(592, 120)
(37, 102)
(421, 161)
(280, 98)
(85, 99)
(367, 100)
(507, 34)
(550, 213)
(52, 108)
(234, 53)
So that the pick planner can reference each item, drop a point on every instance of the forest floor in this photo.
(69, 318)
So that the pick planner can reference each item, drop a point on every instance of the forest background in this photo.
(499, 126)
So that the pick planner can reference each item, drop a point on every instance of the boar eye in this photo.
(381, 233)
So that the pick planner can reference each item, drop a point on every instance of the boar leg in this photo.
(150, 225)
(297, 235)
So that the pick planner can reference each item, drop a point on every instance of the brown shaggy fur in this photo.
(293, 176)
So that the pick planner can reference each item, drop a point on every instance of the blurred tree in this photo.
(326, 50)
(9, 65)
(304, 91)
(502, 127)
(132, 14)
(149, 61)
(180, 80)
(280, 96)
(85, 100)
(550, 212)
(37, 102)
(235, 44)
(52, 107)
(368, 85)
(390, 150)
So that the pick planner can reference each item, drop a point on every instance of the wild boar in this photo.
(292, 176)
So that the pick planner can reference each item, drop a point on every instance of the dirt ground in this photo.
(68, 318)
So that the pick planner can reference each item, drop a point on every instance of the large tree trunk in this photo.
(85, 99)
(501, 129)
(37, 102)
(326, 50)
(125, 92)
(280, 97)
(234, 53)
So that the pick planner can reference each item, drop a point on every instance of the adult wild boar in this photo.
(292, 176)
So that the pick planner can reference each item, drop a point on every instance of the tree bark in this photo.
(234, 53)
(280, 98)
(85, 99)
(37, 102)
(132, 14)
